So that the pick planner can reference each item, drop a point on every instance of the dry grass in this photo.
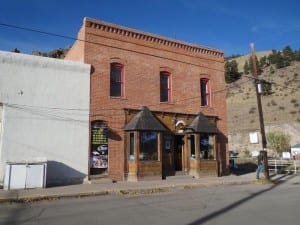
(281, 110)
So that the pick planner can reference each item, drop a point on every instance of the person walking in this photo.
(260, 164)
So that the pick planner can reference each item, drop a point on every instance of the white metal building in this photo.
(44, 114)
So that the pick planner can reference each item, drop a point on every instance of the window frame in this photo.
(205, 93)
(192, 146)
(165, 90)
(131, 147)
(117, 84)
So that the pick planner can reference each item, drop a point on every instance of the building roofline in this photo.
(42, 62)
(125, 31)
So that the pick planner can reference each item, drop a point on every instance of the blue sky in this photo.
(228, 25)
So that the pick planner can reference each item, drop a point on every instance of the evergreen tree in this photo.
(288, 54)
(263, 62)
(280, 62)
(273, 57)
(297, 55)
(231, 71)
(15, 50)
(266, 87)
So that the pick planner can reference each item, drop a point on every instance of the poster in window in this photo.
(99, 145)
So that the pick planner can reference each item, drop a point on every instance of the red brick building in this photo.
(157, 104)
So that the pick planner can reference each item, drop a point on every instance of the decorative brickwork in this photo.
(135, 35)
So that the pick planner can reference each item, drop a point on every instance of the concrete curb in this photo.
(34, 198)
(119, 191)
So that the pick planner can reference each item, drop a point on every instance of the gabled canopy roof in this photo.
(202, 125)
(144, 121)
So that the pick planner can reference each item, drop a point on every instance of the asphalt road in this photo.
(229, 204)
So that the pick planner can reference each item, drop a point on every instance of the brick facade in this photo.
(143, 56)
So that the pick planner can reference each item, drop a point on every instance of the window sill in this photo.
(167, 103)
(120, 98)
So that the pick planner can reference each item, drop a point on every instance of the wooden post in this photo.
(260, 112)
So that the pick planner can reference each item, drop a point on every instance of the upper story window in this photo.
(165, 86)
(116, 80)
(205, 91)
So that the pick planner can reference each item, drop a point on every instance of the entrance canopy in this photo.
(144, 121)
(202, 125)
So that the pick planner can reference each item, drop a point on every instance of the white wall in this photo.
(45, 114)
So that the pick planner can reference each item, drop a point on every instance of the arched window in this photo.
(116, 80)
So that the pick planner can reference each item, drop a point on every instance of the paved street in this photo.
(224, 204)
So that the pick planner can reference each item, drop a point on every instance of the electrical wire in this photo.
(187, 101)
(98, 43)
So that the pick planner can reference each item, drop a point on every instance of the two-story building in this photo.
(157, 104)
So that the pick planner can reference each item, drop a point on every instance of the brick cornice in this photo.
(151, 38)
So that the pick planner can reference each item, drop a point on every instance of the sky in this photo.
(227, 25)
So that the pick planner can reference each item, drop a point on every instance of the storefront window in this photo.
(193, 152)
(207, 146)
(148, 149)
(131, 146)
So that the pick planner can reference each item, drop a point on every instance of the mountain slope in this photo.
(281, 109)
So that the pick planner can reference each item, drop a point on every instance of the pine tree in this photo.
(288, 54)
(231, 71)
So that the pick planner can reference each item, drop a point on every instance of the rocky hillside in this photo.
(281, 109)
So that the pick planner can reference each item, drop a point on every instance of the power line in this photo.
(77, 39)
(187, 101)
(102, 44)
(38, 31)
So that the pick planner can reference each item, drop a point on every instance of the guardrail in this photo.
(283, 165)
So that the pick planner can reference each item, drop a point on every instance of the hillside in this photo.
(242, 59)
(281, 109)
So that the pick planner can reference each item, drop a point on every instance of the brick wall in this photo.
(144, 56)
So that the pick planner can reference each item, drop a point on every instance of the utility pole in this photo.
(260, 112)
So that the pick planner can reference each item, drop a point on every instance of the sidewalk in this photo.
(105, 187)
